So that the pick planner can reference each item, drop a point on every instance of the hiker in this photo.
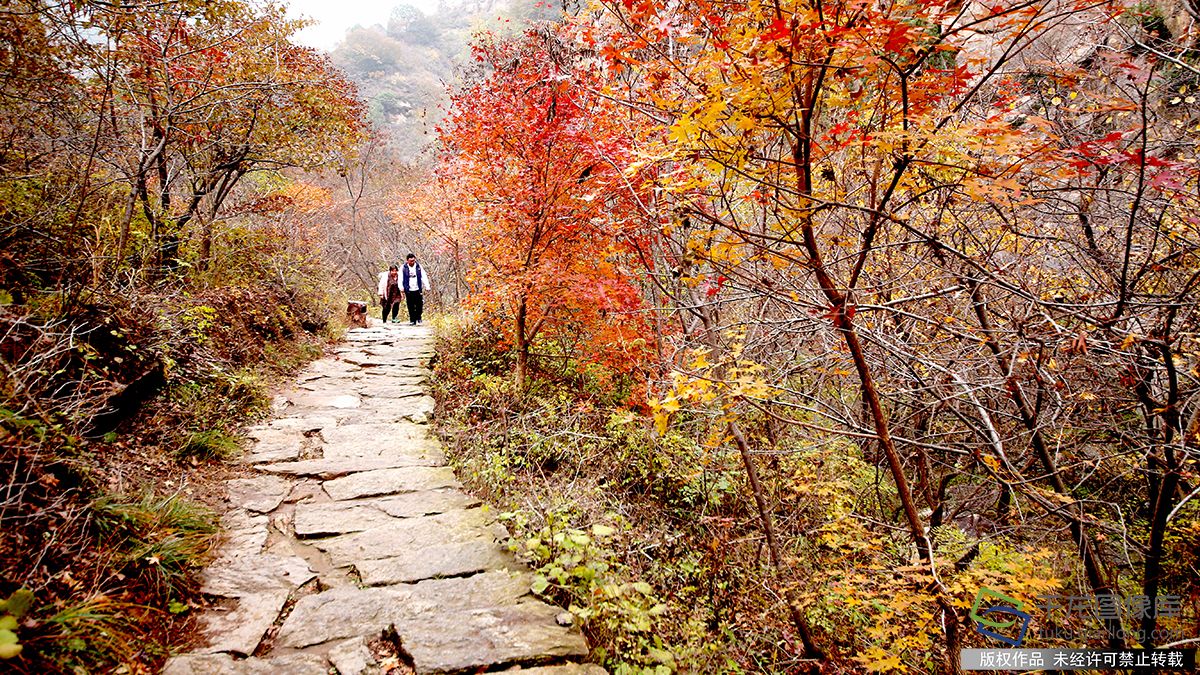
(390, 293)
(415, 283)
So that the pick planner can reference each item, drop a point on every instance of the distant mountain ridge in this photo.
(402, 69)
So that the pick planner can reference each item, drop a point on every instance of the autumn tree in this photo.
(177, 102)
(219, 100)
(542, 161)
(158, 254)
(432, 208)
(856, 195)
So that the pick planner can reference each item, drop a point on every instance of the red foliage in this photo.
(552, 213)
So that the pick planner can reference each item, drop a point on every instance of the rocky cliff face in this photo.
(1181, 19)
(473, 7)
(1071, 34)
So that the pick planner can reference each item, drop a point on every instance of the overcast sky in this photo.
(335, 16)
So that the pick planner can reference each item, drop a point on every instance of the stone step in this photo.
(225, 664)
(445, 625)
(390, 482)
(327, 518)
(407, 536)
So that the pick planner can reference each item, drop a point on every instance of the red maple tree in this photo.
(546, 224)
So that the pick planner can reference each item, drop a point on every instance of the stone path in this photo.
(353, 533)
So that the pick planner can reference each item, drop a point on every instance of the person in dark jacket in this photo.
(414, 282)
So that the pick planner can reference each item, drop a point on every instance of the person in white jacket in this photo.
(390, 293)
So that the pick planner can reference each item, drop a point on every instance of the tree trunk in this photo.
(227, 182)
(810, 648)
(206, 237)
(883, 432)
(123, 238)
(1164, 484)
(1154, 556)
(356, 314)
(522, 345)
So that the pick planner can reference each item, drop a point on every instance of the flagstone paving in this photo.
(353, 549)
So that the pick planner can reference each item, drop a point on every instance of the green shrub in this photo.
(579, 569)
(94, 632)
(164, 539)
(209, 445)
(12, 609)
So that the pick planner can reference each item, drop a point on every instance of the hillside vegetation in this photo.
(161, 266)
(778, 335)
(792, 328)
